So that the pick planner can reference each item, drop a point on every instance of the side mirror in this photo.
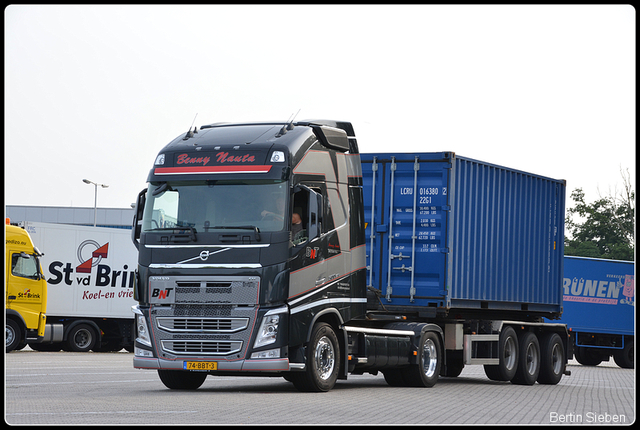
(137, 218)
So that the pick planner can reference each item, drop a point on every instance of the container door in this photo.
(410, 210)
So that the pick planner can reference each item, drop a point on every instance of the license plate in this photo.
(200, 365)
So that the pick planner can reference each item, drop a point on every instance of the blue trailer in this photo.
(483, 239)
(599, 304)
(473, 246)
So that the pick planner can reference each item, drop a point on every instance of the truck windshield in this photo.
(25, 266)
(210, 205)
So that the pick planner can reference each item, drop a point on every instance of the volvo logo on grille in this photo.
(204, 255)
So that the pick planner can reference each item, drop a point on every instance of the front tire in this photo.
(323, 361)
(12, 335)
(182, 379)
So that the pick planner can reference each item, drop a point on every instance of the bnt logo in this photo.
(96, 256)
(312, 253)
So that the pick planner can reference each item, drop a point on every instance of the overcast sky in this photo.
(96, 91)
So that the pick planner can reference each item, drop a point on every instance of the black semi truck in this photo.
(277, 249)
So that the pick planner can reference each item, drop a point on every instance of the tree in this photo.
(604, 228)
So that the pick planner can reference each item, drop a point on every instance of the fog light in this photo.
(271, 353)
(139, 352)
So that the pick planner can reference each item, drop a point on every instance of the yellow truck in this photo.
(25, 290)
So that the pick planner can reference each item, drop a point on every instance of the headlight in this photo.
(269, 328)
(142, 330)
(268, 331)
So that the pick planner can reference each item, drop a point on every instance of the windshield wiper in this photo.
(179, 234)
(237, 227)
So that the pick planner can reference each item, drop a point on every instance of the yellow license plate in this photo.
(200, 365)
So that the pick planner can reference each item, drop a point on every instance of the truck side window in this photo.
(300, 207)
(24, 266)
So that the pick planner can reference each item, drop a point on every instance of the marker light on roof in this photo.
(277, 157)
(160, 160)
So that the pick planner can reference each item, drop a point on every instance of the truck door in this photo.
(308, 267)
(26, 292)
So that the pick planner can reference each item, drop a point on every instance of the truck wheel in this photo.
(182, 379)
(46, 347)
(12, 335)
(508, 354)
(425, 373)
(394, 377)
(529, 360)
(624, 357)
(587, 356)
(323, 361)
(454, 364)
(552, 362)
(81, 338)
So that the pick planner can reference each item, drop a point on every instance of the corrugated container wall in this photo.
(483, 237)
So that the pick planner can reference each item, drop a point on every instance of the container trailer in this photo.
(90, 272)
(599, 304)
(277, 249)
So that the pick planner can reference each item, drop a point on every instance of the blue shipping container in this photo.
(599, 295)
(449, 232)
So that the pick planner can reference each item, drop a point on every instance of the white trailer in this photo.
(90, 272)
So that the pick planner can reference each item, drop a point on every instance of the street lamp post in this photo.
(95, 200)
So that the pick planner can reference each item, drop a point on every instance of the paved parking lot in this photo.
(104, 388)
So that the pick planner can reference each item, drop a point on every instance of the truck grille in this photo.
(202, 325)
(204, 347)
(203, 315)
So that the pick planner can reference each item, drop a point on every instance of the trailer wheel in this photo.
(552, 363)
(624, 357)
(529, 360)
(425, 373)
(46, 347)
(587, 356)
(394, 377)
(508, 354)
(12, 335)
(454, 366)
(81, 338)
(323, 361)
(182, 379)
